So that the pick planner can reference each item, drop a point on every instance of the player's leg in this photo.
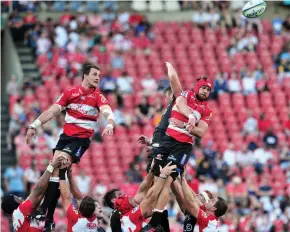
(52, 194)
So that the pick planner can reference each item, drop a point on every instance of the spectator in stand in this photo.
(61, 36)
(208, 184)
(263, 123)
(83, 182)
(262, 84)
(133, 173)
(249, 83)
(124, 83)
(234, 84)
(142, 43)
(248, 43)
(31, 176)
(220, 84)
(123, 18)
(15, 24)
(262, 155)
(108, 83)
(66, 17)
(250, 125)
(287, 126)
(244, 157)
(12, 87)
(143, 26)
(43, 44)
(108, 16)
(270, 139)
(29, 20)
(284, 66)
(286, 25)
(144, 111)
(208, 151)
(277, 24)
(230, 155)
(149, 85)
(237, 190)
(117, 60)
(14, 181)
(285, 157)
(205, 168)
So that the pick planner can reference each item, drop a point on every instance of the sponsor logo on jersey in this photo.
(67, 149)
(78, 153)
(75, 94)
(91, 225)
(182, 162)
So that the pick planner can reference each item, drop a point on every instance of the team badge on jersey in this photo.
(184, 93)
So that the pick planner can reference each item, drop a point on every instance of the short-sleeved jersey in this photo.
(82, 110)
(199, 107)
(132, 221)
(207, 222)
(20, 218)
(76, 222)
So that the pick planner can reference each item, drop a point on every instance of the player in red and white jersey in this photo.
(190, 117)
(130, 212)
(85, 217)
(207, 215)
(21, 210)
(83, 105)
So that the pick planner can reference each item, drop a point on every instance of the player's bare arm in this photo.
(65, 194)
(173, 79)
(151, 197)
(42, 183)
(46, 116)
(109, 115)
(177, 191)
(190, 201)
(144, 187)
(181, 104)
(77, 194)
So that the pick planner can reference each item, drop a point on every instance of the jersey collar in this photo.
(86, 92)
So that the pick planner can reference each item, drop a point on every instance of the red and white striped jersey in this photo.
(21, 221)
(133, 220)
(207, 222)
(76, 222)
(82, 110)
(199, 107)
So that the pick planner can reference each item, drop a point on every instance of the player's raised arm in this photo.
(42, 183)
(174, 80)
(64, 191)
(42, 119)
(147, 205)
(144, 187)
(177, 191)
(77, 194)
(190, 201)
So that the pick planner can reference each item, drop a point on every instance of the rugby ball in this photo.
(254, 8)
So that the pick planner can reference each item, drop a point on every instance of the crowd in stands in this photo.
(254, 175)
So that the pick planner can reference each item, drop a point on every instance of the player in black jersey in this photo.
(170, 93)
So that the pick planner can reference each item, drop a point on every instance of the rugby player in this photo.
(88, 213)
(207, 215)
(83, 104)
(190, 117)
(132, 211)
(21, 210)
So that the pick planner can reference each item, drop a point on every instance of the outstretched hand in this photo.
(144, 140)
